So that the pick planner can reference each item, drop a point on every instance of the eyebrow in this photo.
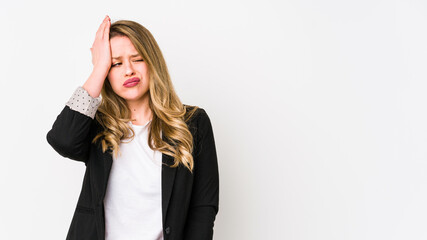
(135, 55)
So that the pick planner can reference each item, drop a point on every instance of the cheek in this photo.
(147, 74)
(109, 77)
(112, 79)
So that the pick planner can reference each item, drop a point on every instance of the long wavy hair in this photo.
(170, 116)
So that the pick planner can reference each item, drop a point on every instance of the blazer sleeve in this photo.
(205, 194)
(70, 133)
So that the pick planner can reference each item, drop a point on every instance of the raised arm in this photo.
(70, 134)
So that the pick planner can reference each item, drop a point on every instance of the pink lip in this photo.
(131, 82)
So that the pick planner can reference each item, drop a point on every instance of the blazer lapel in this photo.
(168, 178)
(108, 163)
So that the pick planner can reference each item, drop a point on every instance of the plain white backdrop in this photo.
(318, 110)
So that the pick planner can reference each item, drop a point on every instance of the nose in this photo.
(129, 71)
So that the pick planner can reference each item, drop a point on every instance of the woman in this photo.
(151, 163)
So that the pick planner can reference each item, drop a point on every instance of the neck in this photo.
(140, 111)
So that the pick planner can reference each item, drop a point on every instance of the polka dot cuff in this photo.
(82, 102)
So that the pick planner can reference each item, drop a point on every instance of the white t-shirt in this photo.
(133, 204)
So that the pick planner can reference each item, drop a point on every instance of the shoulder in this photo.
(199, 122)
(196, 114)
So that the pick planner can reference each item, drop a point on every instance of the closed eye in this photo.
(116, 64)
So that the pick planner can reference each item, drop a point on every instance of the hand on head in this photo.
(101, 50)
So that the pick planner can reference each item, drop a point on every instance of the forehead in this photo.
(121, 46)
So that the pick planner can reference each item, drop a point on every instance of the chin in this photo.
(134, 98)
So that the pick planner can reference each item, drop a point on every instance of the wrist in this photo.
(94, 83)
(100, 72)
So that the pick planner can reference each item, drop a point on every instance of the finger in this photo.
(107, 29)
(101, 28)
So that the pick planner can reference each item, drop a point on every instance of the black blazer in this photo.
(189, 201)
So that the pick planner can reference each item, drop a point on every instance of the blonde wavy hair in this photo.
(169, 114)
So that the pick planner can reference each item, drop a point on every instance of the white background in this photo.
(318, 110)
